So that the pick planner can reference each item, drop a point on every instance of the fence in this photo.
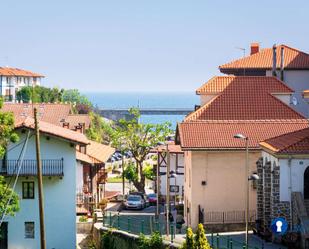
(147, 224)
(229, 217)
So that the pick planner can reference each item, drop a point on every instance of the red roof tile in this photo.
(172, 148)
(293, 59)
(246, 98)
(54, 130)
(291, 143)
(9, 71)
(76, 119)
(99, 152)
(218, 84)
(51, 113)
(214, 134)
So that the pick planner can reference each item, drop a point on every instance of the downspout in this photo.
(290, 189)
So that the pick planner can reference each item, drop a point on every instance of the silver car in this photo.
(134, 202)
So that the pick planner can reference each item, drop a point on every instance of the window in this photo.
(174, 188)
(28, 190)
(29, 230)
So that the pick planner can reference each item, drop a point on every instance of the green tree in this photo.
(7, 135)
(139, 139)
(200, 238)
(74, 96)
(99, 130)
(39, 94)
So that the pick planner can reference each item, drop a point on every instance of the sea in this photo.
(146, 100)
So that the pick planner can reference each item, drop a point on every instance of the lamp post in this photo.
(243, 137)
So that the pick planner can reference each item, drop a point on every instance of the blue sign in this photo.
(279, 226)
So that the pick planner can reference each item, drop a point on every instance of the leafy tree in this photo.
(7, 135)
(74, 96)
(139, 139)
(200, 238)
(99, 130)
(39, 94)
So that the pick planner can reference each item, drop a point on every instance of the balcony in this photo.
(50, 167)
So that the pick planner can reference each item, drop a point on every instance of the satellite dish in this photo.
(294, 101)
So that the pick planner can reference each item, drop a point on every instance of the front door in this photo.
(4, 235)
(306, 183)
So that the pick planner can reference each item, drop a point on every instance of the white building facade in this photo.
(59, 183)
(13, 79)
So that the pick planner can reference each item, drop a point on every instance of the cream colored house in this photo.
(215, 175)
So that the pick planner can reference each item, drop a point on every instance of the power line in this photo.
(15, 182)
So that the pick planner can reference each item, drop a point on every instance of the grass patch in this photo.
(117, 179)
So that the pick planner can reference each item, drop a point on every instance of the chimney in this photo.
(282, 63)
(66, 125)
(255, 48)
(79, 128)
(274, 61)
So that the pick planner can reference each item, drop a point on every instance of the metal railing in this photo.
(50, 167)
(228, 217)
(148, 224)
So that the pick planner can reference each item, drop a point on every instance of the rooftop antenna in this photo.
(244, 55)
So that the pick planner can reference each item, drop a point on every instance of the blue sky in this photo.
(141, 45)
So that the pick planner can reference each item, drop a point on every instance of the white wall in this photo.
(205, 98)
(79, 177)
(179, 179)
(59, 199)
(298, 80)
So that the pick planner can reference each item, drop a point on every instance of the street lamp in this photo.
(243, 137)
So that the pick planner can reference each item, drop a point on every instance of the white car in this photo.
(134, 202)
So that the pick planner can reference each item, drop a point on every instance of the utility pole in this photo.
(40, 180)
(167, 190)
(158, 184)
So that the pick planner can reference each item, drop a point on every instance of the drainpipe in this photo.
(290, 188)
(282, 63)
(274, 61)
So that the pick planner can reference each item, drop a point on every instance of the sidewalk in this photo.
(238, 238)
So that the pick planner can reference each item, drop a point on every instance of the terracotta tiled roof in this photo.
(51, 113)
(293, 59)
(54, 130)
(76, 119)
(99, 152)
(83, 157)
(172, 148)
(291, 143)
(218, 84)
(214, 134)
(9, 71)
(246, 98)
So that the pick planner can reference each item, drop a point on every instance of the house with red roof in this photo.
(58, 158)
(215, 173)
(12, 79)
(283, 187)
(288, 64)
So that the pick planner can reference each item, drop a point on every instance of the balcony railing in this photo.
(50, 167)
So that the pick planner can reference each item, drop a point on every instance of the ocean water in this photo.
(147, 100)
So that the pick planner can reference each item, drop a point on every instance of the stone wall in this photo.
(269, 205)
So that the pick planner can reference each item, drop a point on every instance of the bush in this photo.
(83, 218)
(197, 241)
(154, 242)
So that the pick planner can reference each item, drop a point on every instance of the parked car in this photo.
(135, 202)
(145, 198)
(152, 198)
